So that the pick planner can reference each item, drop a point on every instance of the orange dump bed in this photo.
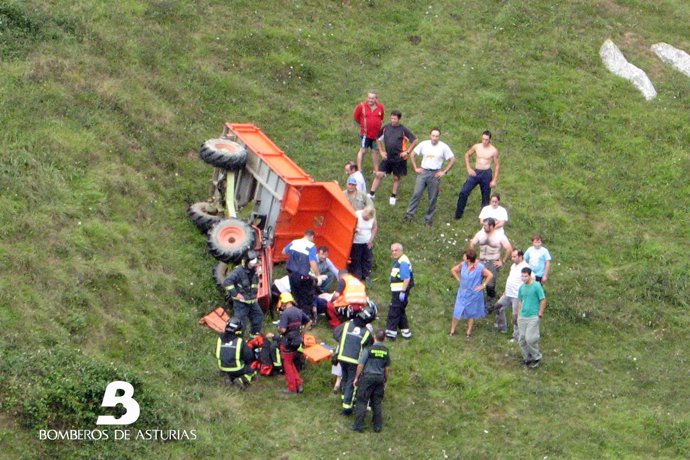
(291, 201)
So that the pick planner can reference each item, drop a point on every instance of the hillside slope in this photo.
(105, 104)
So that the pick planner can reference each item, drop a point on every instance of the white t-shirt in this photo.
(514, 280)
(361, 183)
(433, 156)
(363, 230)
(498, 213)
(283, 284)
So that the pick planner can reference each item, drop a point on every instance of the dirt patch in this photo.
(611, 6)
(632, 44)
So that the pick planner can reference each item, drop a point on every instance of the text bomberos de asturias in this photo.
(117, 435)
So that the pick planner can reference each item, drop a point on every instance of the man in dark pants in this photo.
(352, 337)
(402, 282)
(241, 287)
(302, 257)
(490, 244)
(370, 380)
(481, 173)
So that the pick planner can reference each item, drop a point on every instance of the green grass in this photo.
(104, 277)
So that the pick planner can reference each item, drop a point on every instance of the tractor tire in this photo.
(229, 239)
(220, 271)
(202, 217)
(223, 153)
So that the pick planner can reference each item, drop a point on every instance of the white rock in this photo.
(672, 56)
(616, 63)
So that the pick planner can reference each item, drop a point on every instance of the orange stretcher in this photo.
(216, 320)
(317, 354)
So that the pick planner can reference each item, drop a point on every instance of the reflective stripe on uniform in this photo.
(343, 339)
(238, 348)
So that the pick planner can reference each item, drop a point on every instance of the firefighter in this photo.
(402, 282)
(349, 299)
(290, 324)
(233, 354)
(241, 287)
(352, 336)
(370, 380)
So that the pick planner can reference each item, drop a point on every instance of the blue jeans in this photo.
(483, 179)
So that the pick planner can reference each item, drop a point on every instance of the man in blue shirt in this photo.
(302, 259)
(401, 282)
(539, 259)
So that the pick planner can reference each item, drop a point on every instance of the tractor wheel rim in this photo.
(231, 236)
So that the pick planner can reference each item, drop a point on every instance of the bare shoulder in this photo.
(477, 236)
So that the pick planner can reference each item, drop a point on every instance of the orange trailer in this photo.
(287, 200)
(250, 170)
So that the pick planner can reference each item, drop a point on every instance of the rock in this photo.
(673, 57)
(616, 63)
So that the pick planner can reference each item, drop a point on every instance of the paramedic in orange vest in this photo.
(348, 300)
(369, 116)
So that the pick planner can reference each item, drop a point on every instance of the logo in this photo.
(131, 415)
(110, 399)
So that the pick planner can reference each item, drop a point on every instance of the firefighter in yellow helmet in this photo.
(292, 319)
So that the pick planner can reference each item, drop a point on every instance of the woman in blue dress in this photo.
(469, 303)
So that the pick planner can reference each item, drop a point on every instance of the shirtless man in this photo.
(490, 244)
(481, 174)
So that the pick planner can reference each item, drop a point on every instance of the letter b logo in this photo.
(110, 399)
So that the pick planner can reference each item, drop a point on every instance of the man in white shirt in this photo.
(353, 172)
(496, 211)
(434, 154)
(510, 295)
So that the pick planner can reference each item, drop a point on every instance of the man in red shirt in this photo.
(369, 115)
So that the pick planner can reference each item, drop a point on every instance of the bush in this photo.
(61, 388)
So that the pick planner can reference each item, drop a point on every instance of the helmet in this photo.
(234, 326)
(368, 314)
(286, 297)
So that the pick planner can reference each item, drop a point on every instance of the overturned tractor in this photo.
(261, 200)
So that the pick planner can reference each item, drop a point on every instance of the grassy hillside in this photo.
(105, 103)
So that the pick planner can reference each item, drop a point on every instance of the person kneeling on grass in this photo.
(233, 354)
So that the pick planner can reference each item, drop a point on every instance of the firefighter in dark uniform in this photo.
(402, 282)
(370, 380)
(352, 336)
(292, 319)
(233, 354)
(241, 287)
